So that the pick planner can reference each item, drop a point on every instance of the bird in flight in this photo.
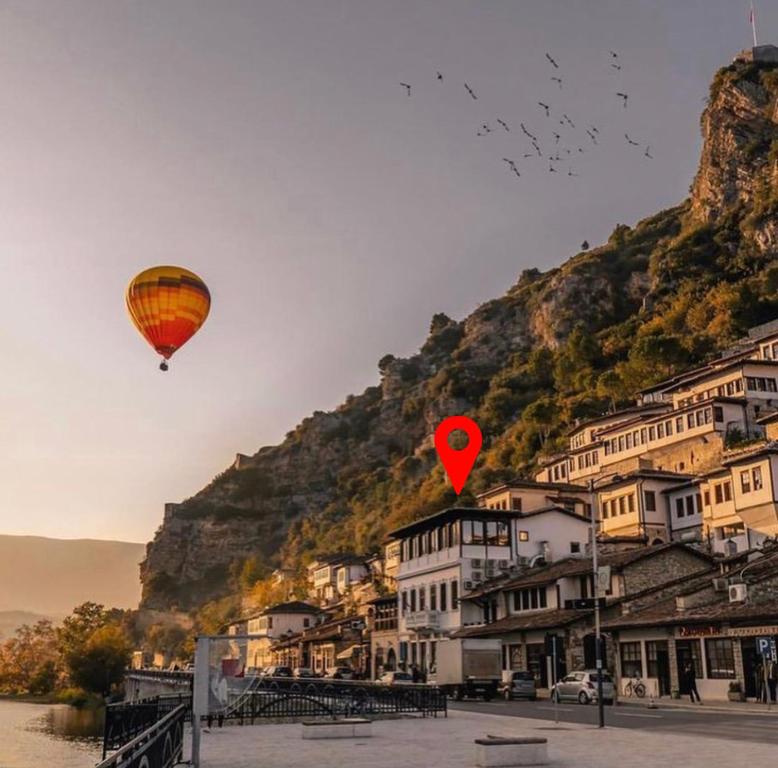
(407, 88)
(556, 66)
(556, 138)
(614, 54)
(546, 107)
(551, 169)
(440, 77)
(617, 67)
(580, 149)
(592, 136)
(648, 154)
(486, 128)
(515, 170)
(629, 141)
(527, 154)
(594, 128)
(624, 97)
(503, 124)
(526, 132)
(470, 91)
(570, 172)
(557, 80)
(568, 121)
(537, 148)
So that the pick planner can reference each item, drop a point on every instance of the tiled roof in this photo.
(577, 566)
(666, 613)
(520, 621)
(294, 606)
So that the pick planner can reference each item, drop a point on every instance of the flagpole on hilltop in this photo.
(753, 23)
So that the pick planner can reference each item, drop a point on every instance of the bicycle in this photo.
(635, 687)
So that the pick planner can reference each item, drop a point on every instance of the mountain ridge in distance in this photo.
(49, 576)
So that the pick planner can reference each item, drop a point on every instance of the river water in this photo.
(38, 735)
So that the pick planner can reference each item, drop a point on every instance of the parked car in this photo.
(582, 687)
(305, 672)
(519, 685)
(277, 672)
(396, 678)
(339, 673)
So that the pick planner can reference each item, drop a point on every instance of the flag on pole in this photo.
(752, 20)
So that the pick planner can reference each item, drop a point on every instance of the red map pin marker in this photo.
(458, 463)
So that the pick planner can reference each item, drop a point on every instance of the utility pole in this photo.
(596, 590)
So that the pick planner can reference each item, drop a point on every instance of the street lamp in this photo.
(596, 576)
(596, 583)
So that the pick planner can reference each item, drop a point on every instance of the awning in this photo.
(349, 652)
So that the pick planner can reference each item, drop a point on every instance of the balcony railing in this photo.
(423, 620)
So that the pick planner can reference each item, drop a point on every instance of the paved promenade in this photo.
(448, 743)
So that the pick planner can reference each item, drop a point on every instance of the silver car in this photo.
(519, 685)
(582, 687)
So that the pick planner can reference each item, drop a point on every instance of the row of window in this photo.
(770, 351)
(719, 655)
(503, 504)
(415, 599)
(730, 389)
(529, 599)
(559, 472)
(751, 481)
(490, 532)
(663, 429)
(687, 506)
(430, 541)
(621, 505)
(588, 459)
(761, 384)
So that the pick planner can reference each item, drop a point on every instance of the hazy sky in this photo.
(269, 147)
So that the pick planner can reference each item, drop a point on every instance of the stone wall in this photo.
(669, 565)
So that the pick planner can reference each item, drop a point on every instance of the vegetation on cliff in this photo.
(558, 346)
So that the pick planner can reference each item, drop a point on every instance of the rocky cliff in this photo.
(558, 346)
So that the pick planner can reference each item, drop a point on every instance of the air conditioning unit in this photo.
(720, 584)
(502, 565)
(738, 593)
(491, 563)
(477, 576)
(468, 586)
(476, 562)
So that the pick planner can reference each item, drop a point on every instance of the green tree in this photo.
(100, 663)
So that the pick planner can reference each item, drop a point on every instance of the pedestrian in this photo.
(691, 682)
(761, 687)
(772, 680)
(415, 673)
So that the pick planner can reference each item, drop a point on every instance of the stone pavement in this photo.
(448, 743)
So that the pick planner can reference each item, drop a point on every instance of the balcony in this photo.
(423, 620)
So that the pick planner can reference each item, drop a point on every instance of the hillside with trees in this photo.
(558, 346)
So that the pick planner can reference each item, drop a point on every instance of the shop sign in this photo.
(698, 631)
(752, 631)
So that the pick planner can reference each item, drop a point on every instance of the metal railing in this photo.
(290, 698)
(128, 719)
(161, 745)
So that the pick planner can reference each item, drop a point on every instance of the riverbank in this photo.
(28, 698)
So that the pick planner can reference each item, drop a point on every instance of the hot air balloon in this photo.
(167, 305)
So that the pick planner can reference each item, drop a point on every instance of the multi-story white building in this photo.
(331, 577)
(455, 551)
(275, 623)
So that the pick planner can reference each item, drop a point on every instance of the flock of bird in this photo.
(565, 135)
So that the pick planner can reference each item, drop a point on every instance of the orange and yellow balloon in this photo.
(167, 305)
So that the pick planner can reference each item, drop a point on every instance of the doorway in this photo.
(750, 664)
(687, 652)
